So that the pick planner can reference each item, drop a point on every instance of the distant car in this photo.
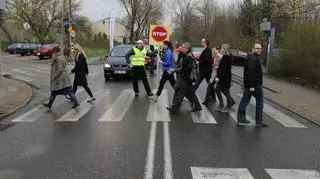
(238, 57)
(197, 52)
(45, 51)
(27, 48)
(12, 47)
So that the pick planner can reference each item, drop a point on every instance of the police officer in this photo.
(136, 58)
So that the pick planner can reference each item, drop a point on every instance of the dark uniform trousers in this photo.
(139, 73)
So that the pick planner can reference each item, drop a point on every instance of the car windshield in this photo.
(120, 51)
(13, 45)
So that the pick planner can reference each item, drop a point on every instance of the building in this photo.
(102, 26)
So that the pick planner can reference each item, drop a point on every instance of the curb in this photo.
(30, 95)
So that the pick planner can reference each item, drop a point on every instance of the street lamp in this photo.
(266, 27)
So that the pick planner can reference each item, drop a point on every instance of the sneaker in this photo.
(196, 109)
(172, 111)
(75, 105)
(226, 110)
(262, 125)
(46, 105)
(220, 108)
(206, 103)
(150, 94)
(91, 100)
(243, 122)
(155, 98)
(68, 98)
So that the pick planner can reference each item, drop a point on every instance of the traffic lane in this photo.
(86, 149)
(226, 145)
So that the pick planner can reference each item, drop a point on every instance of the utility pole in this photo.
(70, 17)
(2, 7)
(62, 23)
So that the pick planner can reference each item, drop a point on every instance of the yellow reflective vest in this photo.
(139, 58)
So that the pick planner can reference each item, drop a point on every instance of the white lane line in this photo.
(35, 70)
(157, 110)
(119, 108)
(168, 172)
(77, 113)
(233, 114)
(278, 116)
(215, 173)
(204, 116)
(293, 174)
(28, 73)
(44, 68)
(35, 113)
(148, 170)
(28, 116)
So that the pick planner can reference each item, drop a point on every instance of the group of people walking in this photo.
(213, 65)
(60, 81)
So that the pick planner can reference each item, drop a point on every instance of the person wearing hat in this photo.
(136, 58)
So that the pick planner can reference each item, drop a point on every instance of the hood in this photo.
(117, 61)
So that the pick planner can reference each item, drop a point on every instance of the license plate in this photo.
(120, 72)
(38, 53)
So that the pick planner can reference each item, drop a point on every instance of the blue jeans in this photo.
(258, 94)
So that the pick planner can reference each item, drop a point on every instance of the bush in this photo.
(299, 57)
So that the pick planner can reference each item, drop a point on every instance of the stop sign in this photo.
(159, 34)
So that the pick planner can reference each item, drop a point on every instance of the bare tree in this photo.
(138, 14)
(206, 9)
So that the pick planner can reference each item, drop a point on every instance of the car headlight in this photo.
(107, 65)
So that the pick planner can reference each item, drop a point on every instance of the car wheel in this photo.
(28, 53)
(22, 54)
(41, 57)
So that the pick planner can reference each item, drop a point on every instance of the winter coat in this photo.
(59, 74)
(80, 71)
(224, 71)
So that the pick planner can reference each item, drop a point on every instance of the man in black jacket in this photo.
(205, 66)
(184, 85)
(252, 86)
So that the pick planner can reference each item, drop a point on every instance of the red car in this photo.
(45, 51)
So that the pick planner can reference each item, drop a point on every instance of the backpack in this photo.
(194, 75)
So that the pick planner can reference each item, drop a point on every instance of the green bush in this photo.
(299, 56)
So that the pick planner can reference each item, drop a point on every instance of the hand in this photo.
(251, 89)
(217, 80)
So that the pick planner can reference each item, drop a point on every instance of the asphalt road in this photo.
(120, 136)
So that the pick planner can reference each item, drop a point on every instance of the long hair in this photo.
(169, 44)
(81, 51)
(226, 48)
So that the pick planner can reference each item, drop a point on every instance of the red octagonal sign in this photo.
(159, 34)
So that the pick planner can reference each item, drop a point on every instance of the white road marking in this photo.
(148, 170)
(77, 113)
(168, 173)
(215, 173)
(119, 108)
(22, 78)
(28, 116)
(44, 67)
(293, 174)
(157, 110)
(35, 113)
(233, 114)
(35, 70)
(279, 116)
(204, 116)
(28, 73)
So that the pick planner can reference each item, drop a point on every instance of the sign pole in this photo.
(158, 69)
(1, 72)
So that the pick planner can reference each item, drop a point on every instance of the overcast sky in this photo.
(98, 9)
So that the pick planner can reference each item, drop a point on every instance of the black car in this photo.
(12, 47)
(27, 48)
(116, 64)
(238, 57)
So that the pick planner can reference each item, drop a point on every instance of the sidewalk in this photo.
(13, 96)
(298, 99)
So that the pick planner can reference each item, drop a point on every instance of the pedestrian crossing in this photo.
(157, 111)
(244, 173)
(32, 74)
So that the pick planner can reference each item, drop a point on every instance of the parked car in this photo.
(238, 57)
(45, 51)
(197, 52)
(27, 48)
(12, 47)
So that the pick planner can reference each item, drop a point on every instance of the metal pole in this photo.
(62, 24)
(70, 20)
(1, 72)
(158, 69)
